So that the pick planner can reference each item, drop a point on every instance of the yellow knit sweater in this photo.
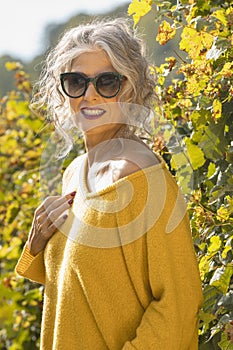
(121, 272)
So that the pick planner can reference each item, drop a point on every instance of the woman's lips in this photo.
(92, 113)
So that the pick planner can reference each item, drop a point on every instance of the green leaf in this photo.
(199, 118)
(211, 170)
(225, 344)
(211, 295)
(213, 141)
(12, 211)
(221, 278)
(195, 154)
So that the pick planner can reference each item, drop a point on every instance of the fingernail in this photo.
(70, 201)
(65, 216)
(73, 193)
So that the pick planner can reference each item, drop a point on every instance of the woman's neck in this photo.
(104, 146)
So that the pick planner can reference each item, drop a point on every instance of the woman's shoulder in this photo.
(133, 162)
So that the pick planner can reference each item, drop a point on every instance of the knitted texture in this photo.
(121, 272)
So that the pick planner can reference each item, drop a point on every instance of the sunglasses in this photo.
(107, 84)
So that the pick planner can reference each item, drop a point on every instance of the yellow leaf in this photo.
(18, 319)
(204, 266)
(26, 324)
(217, 109)
(139, 8)
(185, 102)
(202, 246)
(215, 244)
(13, 66)
(223, 214)
(165, 33)
(227, 70)
(225, 251)
(194, 42)
(220, 15)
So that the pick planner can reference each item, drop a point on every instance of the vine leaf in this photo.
(138, 9)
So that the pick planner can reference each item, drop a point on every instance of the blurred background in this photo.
(28, 29)
(190, 48)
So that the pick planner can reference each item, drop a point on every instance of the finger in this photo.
(51, 209)
(47, 234)
(51, 200)
(50, 205)
(54, 211)
(41, 208)
(37, 242)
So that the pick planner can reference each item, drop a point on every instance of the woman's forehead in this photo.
(92, 62)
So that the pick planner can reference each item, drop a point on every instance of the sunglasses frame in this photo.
(88, 80)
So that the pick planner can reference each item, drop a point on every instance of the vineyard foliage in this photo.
(195, 100)
(21, 147)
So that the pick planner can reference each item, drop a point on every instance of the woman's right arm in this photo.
(48, 217)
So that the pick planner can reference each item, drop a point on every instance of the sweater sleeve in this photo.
(31, 267)
(170, 321)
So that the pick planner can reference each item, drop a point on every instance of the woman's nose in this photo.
(91, 92)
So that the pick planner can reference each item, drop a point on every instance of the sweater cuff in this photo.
(30, 266)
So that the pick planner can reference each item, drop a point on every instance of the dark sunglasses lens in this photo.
(74, 84)
(108, 85)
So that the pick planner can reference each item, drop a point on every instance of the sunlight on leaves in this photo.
(165, 33)
(138, 9)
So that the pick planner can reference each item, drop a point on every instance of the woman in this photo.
(114, 251)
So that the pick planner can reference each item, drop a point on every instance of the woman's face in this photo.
(92, 112)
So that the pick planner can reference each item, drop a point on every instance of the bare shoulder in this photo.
(133, 162)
